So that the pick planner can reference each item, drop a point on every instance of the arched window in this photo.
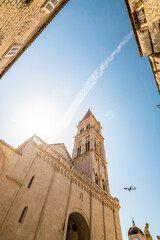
(87, 146)
(29, 185)
(87, 143)
(103, 185)
(100, 152)
(79, 147)
(88, 126)
(81, 130)
(21, 219)
(28, 1)
(79, 150)
(96, 178)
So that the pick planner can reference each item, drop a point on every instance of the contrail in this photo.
(92, 80)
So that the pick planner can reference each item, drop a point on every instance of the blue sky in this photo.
(39, 89)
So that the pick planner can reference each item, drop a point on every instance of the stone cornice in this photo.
(133, 27)
(86, 120)
(86, 132)
(10, 147)
(77, 176)
(92, 150)
(14, 180)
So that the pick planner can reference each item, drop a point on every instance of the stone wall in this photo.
(152, 10)
(56, 192)
(20, 24)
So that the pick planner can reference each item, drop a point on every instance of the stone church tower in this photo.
(88, 153)
(47, 195)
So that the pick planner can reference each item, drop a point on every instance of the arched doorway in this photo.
(77, 228)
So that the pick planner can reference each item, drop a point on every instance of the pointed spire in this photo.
(88, 114)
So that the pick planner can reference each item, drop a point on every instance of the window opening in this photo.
(100, 152)
(95, 144)
(87, 146)
(23, 215)
(141, 16)
(81, 130)
(87, 143)
(103, 185)
(74, 228)
(96, 178)
(29, 185)
(27, 1)
(51, 5)
(13, 50)
(88, 126)
(79, 150)
(79, 147)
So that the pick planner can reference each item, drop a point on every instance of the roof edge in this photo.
(153, 72)
(39, 31)
(133, 27)
(9, 146)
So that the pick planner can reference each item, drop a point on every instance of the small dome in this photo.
(134, 230)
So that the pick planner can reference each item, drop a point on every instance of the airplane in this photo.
(158, 105)
(130, 188)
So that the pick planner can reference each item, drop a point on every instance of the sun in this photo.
(39, 117)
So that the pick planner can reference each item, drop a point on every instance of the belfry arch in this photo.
(77, 228)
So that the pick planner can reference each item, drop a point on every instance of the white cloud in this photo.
(92, 80)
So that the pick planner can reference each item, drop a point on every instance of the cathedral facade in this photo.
(47, 195)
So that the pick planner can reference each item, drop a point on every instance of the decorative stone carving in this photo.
(147, 233)
(81, 197)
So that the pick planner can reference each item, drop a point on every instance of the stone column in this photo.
(44, 204)
(66, 213)
(115, 226)
(104, 224)
(91, 224)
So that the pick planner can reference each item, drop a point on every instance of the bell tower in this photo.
(88, 152)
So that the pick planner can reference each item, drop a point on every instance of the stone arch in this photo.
(77, 227)
(79, 210)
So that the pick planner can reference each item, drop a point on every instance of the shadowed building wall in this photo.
(21, 21)
(145, 19)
